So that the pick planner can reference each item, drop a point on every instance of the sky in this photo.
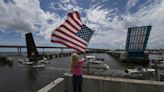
(109, 18)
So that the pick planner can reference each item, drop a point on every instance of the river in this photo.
(21, 78)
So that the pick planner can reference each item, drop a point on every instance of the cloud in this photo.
(66, 5)
(153, 15)
(110, 24)
(111, 27)
(23, 16)
(131, 3)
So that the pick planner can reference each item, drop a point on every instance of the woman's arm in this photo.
(82, 61)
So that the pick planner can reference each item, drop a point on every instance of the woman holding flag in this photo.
(76, 70)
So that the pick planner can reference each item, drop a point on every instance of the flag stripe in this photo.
(67, 29)
(70, 27)
(67, 44)
(68, 22)
(69, 39)
(74, 37)
(76, 18)
(70, 34)
(62, 36)
(74, 23)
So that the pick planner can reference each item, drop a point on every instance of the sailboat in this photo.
(33, 60)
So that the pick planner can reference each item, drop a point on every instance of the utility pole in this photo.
(156, 70)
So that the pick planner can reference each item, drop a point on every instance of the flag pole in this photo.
(87, 62)
(84, 55)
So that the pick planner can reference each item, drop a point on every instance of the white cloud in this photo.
(153, 15)
(66, 5)
(131, 3)
(100, 15)
(26, 16)
(23, 15)
(109, 30)
(48, 30)
(114, 27)
(110, 27)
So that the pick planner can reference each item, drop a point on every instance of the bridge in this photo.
(61, 49)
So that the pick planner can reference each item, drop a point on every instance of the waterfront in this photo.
(21, 78)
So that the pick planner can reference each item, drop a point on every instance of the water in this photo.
(8, 53)
(20, 78)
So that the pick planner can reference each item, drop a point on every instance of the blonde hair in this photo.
(75, 60)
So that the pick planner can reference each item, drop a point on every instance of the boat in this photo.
(140, 70)
(38, 64)
(156, 60)
(140, 73)
(6, 60)
(160, 64)
(95, 63)
(25, 61)
(44, 61)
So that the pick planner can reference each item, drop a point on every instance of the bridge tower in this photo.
(31, 48)
(137, 38)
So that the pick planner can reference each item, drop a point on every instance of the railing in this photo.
(104, 84)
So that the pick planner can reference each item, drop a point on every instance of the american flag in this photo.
(72, 33)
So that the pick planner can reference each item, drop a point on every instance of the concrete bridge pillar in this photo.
(43, 51)
(19, 51)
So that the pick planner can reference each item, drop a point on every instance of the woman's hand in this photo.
(83, 59)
